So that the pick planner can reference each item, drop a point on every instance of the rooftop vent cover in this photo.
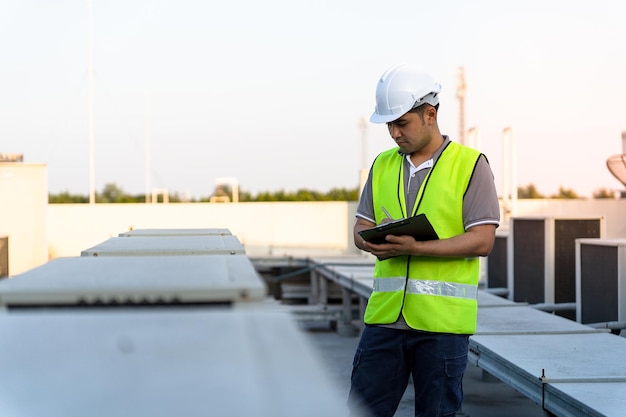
(542, 261)
(167, 245)
(112, 281)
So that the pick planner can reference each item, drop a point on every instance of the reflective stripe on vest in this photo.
(446, 289)
(389, 284)
(426, 287)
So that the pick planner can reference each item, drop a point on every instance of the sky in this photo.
(273, 93)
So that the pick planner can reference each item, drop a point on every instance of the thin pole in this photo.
(147, 132)
(363, 171)
(363, 128)
(92, 182)
(509, 193)
(472, 138)
(513, 156)
(460, 94)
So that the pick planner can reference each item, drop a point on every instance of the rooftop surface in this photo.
(485, 396)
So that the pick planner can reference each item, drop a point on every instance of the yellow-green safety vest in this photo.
(434, 294)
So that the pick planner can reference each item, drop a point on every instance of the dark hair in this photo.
(422, 108)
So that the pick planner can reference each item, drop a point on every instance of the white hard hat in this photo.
(402, 88)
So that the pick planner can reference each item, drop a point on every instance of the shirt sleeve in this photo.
(365, 209)
(480, 204)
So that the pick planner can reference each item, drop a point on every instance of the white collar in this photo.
(423, 165)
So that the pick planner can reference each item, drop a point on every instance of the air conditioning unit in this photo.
(167, 245)
(542, 257)
(600, 280)
(135, 281)
(175, 232)
(497, 261)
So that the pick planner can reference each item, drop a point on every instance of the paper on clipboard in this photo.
(417, 226)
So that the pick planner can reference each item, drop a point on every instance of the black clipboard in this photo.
(417, 226)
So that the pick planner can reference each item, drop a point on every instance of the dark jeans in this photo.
(386, 357)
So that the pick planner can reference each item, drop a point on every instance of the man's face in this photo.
(411, 132)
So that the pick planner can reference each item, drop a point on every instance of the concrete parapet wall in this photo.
(23, 202)
(288, 228)
(272, 228)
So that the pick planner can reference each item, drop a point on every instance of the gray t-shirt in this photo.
(480, 203)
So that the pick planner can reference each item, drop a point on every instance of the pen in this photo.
(386, 213)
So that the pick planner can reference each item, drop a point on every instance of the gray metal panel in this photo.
(357, 277)
(519, 360)
(587, 399)
(198, 278)
(175, 232)
(161, 364)
(485, 299)
(172, 245)
(516, 319)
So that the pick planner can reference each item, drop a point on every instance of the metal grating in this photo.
(599, 283)
(543, 256)
(497, 264)
(529, 260)
(565, 233)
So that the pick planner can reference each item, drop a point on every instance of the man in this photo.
(423, 305)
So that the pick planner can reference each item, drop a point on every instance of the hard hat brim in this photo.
(384, 118)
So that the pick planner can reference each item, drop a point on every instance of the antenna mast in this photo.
(460, 94)
(363, 171)
(147, 148)
(363, 128)
(92, 193)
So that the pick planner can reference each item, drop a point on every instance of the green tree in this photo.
(66, 198)
(111, 193)
(245, 196)
(566, 193)
(603, 193)
(530, 191)
(343, 194)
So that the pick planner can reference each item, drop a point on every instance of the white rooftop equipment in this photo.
(617, 163)
(542, 257)
(167, 245)
(135, 281)
(162, 364)
(497, 261)
(175, 232)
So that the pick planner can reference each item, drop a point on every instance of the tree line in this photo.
(113, 193)
(531, 191)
